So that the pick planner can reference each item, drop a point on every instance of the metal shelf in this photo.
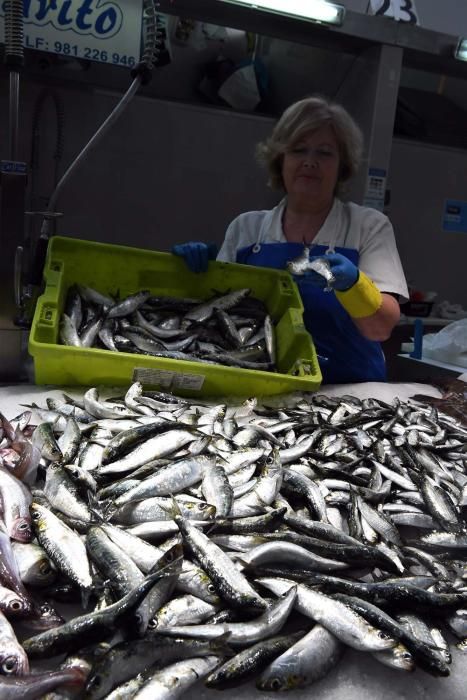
(354, 36)
(423, 49)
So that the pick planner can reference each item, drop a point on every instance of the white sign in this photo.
(400, 10)
(108, 31)
(375, 189)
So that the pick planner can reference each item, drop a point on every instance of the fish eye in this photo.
(138, 618)
(276, 684)
(16, 605)
(35, 515)
(211, 588)
(152, 624)
(9, 665)
(407, 656)
(24, 526)
(202, 506)
(383, 635)
(46, 608)
(45, 568)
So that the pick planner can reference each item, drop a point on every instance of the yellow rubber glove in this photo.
(362, 299)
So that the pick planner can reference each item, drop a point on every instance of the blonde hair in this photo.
(304, 117)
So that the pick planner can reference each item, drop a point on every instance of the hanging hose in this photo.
(141, 75)
(105, 126)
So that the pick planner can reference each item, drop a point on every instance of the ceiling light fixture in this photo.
(310, 10)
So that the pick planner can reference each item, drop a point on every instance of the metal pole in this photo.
(12, 202)
(14, 115)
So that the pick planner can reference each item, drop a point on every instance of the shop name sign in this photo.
(108, 31)
(84, 17)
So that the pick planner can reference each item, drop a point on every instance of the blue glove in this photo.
(345, 272)
(196, 254)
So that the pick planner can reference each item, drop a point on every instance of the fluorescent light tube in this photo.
(310, 10)
(461, 50)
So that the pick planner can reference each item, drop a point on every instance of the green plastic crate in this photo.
(114, 269)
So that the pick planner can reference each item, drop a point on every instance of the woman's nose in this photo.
(310, 160)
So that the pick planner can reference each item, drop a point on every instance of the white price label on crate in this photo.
(400, 10)
(160, 377)
(188, 381)
(107, 31)
(168, 379)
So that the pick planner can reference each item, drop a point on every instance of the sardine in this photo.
(241, 633)
(92, 627)
(63, 546)
(13, 659)
(336, 617)
(303, 663)
(176, 679)
(230, 583)
(35, 685)
(246, 665)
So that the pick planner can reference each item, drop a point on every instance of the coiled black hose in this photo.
(150, 34)
(14, 33)
(152, 42)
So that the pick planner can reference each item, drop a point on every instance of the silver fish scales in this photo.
(348, 450)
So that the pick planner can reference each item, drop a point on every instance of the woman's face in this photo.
(310, 167)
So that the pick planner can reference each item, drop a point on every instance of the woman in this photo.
(313, 150)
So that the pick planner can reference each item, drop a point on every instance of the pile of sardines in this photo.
(232, 329)
(226, 543)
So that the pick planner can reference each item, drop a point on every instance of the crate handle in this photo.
(297, 319)
(302, 368)
(287, 285)
(48, 316)
(53, 273)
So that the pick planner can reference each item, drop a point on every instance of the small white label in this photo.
(188, 381)
(153, 376)
(167, 379)
(375, 189)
